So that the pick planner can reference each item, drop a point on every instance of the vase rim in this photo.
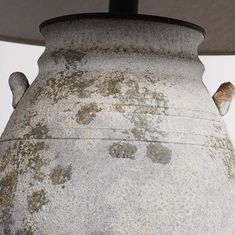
(122, 16)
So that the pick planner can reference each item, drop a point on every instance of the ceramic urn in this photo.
(117, 135)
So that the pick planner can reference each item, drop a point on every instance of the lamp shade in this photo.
(20, 20)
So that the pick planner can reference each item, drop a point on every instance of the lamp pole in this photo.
(123, 7)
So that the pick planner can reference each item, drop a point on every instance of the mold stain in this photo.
(23, 157)
(132, 91)
(119, 108)
(62, 86)
(35, 163)
(87, 113)
(60, 175)
(6, 221)
(26, 231)
(36, 201)
(228, 156)
(229, 161)
(138, 134)
(7, 189)
(111, 84)
(40, 131)
(158, 153)
(28, 118)
(8, 186)
(123, 150)
(5, 159)
(67, 110)
(71, 57)
(103, 233)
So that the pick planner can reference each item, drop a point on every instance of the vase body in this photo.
(117, 135)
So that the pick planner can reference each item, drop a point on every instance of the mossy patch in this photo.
(22, 157)
(36, 201)
(123, 150)
(120, 108)
(35, 164)
(138, 133)
(6, 221)
(7, 189)
(71, 57)
(6, 158)
(61, 86)
(40, 131)
(26, 231)
(158, 153)
(87, 113)
(111, 84)
(60, 174)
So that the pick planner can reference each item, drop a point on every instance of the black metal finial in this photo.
(123, 7)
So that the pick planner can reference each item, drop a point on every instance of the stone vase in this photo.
(117, 135)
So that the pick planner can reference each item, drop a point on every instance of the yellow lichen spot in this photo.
(87, 113)
(60, 175)
(119, 108)
(7, 189)
(36, 201)
(5, 159)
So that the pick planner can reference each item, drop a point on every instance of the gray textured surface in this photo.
(117, 135)
(18, 84)
(20, 19)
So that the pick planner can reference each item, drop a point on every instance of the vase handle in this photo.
(18, 84)
(223, 97)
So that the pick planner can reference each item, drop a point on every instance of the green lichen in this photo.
(87, 113)
(35, 164)
(6, 221)
(28, 118)
(138, 134)
(7, 189)
(26, 231)
(158, 153)
(7, 193)
(7, 156)
(28, 158)
(40, 131)
(22, 157)
(62, 86)
(60, 175)
(122, 150)
(228, 157)
(120, 108)
(111, 84)
(102, 233)
(36, 201)
(71, 57)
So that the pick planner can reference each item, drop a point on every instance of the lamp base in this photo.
(117, 135)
